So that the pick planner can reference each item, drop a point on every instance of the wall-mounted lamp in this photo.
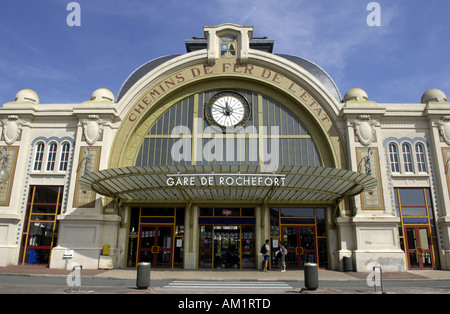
(367, 161)
(87, 157)
(87, 154)
(4, 173)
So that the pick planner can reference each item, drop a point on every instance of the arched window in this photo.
(393, 157)
(64, 158)
(39, 156)
(51, 157)
(407, 158)
(420, 156)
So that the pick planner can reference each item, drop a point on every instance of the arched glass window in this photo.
(51, 157)
(284, 138)
(64, 158)
(420, 156)
(39, 156)
(407, 158)
(393, 157)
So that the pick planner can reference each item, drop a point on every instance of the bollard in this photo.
(74, 278)
(311, 276)
(143, 275)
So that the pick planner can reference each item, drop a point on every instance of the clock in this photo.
(227, 111)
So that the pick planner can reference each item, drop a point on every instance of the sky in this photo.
(395, 62)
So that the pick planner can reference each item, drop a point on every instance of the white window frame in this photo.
(395, 164)
(408, 159)
(421, 158)
(64, 157)
(39, 156)
(51, 156)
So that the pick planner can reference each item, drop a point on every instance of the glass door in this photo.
(40, 231)
(418, 247)
(300, 242)
(227, 246)
(156, 245)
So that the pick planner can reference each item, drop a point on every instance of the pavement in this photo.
(415, 282)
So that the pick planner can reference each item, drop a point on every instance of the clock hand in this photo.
(228, 110)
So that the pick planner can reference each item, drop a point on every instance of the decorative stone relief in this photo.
(365, 129)
(444, 128)
(86, 199)
(92, 128)
(229, 41)
(12, 128)
(369, 157)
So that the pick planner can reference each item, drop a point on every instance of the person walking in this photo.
(266, 255)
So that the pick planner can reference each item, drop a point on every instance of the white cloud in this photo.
(325, 32)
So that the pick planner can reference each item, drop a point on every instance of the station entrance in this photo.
(227, 238)
(300, 242)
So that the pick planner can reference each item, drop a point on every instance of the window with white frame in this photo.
(39, 156)
(407, 158)
(64, 156)
(412, 160)
(51, 156)
(420, 157)
(393, 157)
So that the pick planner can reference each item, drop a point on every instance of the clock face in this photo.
(227, 111)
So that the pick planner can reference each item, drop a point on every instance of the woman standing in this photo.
(283, 253)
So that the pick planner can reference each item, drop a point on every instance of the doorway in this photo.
(156, 245)
(156, 235)
(300, 242)
(227, 247)
(40, 231)
(417, 230)
(418, 247)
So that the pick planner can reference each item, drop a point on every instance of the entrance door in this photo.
(418, 247)
(227, 246)
(300, 242)
(41, 227)
(156, 245)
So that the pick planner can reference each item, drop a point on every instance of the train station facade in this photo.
(201, 157)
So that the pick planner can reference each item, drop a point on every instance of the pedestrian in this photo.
(266, 255)
(283, 252)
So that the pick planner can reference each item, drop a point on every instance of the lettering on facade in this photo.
(221, 180)
(227, 68)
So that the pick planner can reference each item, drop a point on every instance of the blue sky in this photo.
(394, 63)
